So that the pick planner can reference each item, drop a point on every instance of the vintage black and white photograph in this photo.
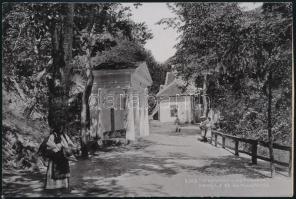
(147, 99)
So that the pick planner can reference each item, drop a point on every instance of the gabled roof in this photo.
(170, 90)
(142, 72)
(170, 77)
(174, 87)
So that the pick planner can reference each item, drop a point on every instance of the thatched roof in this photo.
(125, 54)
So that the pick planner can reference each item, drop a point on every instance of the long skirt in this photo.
(58, 173)
(52, 183)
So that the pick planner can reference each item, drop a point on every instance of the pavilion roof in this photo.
(116, 65)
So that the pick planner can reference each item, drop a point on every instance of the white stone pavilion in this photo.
(119, 101)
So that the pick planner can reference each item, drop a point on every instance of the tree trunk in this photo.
(62, 39)
(68, 44)
(204, 97)
(85, 112)
(54, 86)
(205, 104)
(270, 137)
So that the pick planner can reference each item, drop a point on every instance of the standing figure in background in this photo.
(58, 171)
(177, 123)
(206, 126)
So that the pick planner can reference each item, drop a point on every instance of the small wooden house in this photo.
(173, 101)
(118, 103)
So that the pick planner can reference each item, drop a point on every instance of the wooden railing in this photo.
(254, 146)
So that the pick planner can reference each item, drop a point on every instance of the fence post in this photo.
(223, 142)
(216, 139)
(290, 162)
(236, 147)
(254, 152)
(212, 137)
(112, 120)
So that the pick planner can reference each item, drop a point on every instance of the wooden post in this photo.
(212, 137)
(112, 120)
(216, 139)
(158, 113)
(254, 152)
(290, 162)
(223, 142)
(236, 148)
(100, 127)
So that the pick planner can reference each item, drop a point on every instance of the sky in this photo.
(162, 44)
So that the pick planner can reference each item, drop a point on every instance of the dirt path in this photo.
(163, 164)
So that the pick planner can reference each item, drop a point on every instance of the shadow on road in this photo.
(99, 175)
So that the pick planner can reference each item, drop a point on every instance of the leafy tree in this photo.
(24, 54)
(208, 41)
(158, 74)
(270, 40)
(247, 59)
(157, 71)
(53, 38)
(108, 21)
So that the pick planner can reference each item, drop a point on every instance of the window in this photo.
(174, 110)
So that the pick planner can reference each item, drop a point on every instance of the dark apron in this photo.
(60, 167)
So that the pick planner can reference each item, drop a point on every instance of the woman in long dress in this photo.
(58, 170)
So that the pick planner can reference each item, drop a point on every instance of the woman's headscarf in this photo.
(58, 131)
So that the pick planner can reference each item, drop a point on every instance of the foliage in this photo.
(27, 29)
(127, 52)
(124, 52)
(157, 71)
(44, 51)
(24, 56)
(239, 50)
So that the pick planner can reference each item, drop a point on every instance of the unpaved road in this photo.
(162, 164)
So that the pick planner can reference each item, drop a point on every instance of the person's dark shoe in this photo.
(204, 139)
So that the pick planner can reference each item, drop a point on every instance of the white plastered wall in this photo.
(184, 110)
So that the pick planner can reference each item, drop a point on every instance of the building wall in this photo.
(118, 119)
(101, 112)
(183, 106)
(117, 83)
(120, 110)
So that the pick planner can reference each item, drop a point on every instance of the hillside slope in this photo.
(21, 136)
